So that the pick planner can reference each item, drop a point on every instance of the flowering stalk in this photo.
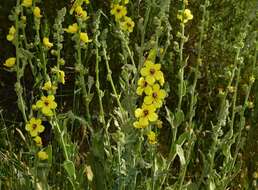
(193, 99)
(81, 70)
(242, 112)
(223, 114)
(109, 75)
(19, 68)
(99, 91)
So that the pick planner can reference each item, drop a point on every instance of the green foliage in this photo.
(205, 134)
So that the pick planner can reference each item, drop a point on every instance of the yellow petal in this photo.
(148, 99)
(153, 117)
(10, 62)
(139, 91)
(47, 111)
(51, 97)
(52, 105)
(157, 67)
(137, 125)
(158, 75)
(155, 87)
(33, 133)
(143, 121)
(141, 81)
(28, 127)
(41, 128)
(39, 104)
(150, 80)
(148, 90)
(42, 155)
(162, 94)
(10, 37)
(144, 71)
(138, 112)
(148, 63)
(158, 103)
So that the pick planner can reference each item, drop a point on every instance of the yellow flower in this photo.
(27, 3)
(11, 34)
(34, 127)
(84, 37)
(87, 1)
(143, 86)
(185, 16)
(34, 107)
(61, 76)
(81, 13)
(152, 137)
(10, 62)
(152, 73)
(146, 114)
(36, 12)
(155, 97)
(159, 124)
(72, 28)
(42, 155)
(127, 24)
(49, 87)
(47, 105)
(118, 11)
(38, 141)
(126, 2)
(47, 43)
(139, 125)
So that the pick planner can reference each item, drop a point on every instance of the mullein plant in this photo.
(149, 86)
(116, 149)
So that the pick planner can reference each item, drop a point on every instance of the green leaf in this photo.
(180, 153)
(179, 118)
(70, 168)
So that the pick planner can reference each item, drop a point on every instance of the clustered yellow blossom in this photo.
(152, 137)
(87, 1)
(10, 62)
(47, 105)
(149, 85)
(185, 16)
(81, 13)
(11, 34)
(72, 28)
(120, 11)
(48, 86)
(42, 155)
(60, 74)
(34, 127)
(47, 43)
(36, 12)
(38, 141)
(84, 37)
(27, 3)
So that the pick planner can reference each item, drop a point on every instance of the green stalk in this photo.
(19, 72)
(182, 66)
(81, 68)
(242, 117)
(97, 84)
(193, 96)
(109, 76)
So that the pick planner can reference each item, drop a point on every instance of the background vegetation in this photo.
(209, 116)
